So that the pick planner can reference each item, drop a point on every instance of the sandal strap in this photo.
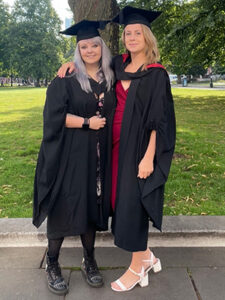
(149, 260)
(138, 274)
(121, 285)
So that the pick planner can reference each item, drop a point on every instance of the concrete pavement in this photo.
(189, 273)
(191, 249)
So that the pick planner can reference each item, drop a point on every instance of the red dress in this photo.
(121, 95)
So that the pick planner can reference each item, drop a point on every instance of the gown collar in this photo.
(124, 60)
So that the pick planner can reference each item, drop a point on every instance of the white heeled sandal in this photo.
(143, 281)
(156, 267)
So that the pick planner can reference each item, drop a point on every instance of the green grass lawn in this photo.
(196, 182)
(20, 137)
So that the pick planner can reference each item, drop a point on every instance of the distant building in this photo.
(68, 22)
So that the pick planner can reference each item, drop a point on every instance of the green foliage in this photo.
(218, 69)
(35, 44)
(4, 24)
(207, 31)
(69, 48)
(202, 32)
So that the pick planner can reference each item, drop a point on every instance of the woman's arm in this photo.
(146, 166)
(73, 121)
(95, 123)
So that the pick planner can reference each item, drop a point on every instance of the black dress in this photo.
(149, 106)
(68, 167)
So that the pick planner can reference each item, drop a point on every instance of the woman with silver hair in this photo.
(73, 173)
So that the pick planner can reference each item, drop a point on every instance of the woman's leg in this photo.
(89, 266)
(56, 282)
(141, 260)
(88, 241)
(54, 246)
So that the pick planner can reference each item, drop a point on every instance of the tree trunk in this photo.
(37, 84)
(99, 10)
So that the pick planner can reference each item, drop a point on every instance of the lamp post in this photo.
(211, 82)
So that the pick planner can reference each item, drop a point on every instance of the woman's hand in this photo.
(145, 168)
(63, 69)
(96, 123)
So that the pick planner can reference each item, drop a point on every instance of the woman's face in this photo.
(90, 51)
(134, 38)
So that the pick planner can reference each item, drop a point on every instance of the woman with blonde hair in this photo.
(143, 144)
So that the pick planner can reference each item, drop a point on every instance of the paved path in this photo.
(200, 87)
(191, 249)
(188, 274)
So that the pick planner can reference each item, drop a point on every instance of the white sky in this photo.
(61, 6)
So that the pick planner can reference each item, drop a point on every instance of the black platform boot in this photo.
(90, 270)
(56, 282)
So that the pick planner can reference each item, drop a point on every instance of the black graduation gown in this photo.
(149, 106)
(65, 178)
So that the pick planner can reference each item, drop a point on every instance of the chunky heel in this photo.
(144, 281)
(157, 267)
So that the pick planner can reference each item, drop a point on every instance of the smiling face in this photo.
(90, 51)
(134, 38)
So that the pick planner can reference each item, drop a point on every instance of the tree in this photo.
(207, 31)
(96, 10)
(4, 25)
(36, 47)
(199, 37)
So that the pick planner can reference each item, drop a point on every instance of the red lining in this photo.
(124, 56)
(156, 66)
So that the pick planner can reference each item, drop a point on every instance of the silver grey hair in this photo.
(104, 72)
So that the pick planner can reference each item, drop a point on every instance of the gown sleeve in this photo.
(54, 115)
(161, 117)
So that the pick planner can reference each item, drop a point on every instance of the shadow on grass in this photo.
(33, 110)
(200, 99)
(8, 88)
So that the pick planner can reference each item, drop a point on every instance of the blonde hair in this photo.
(151, 49)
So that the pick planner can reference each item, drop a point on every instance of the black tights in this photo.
(54, 247)
(87, 239)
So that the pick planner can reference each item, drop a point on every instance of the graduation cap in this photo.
(85, 29)
(132, 15)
